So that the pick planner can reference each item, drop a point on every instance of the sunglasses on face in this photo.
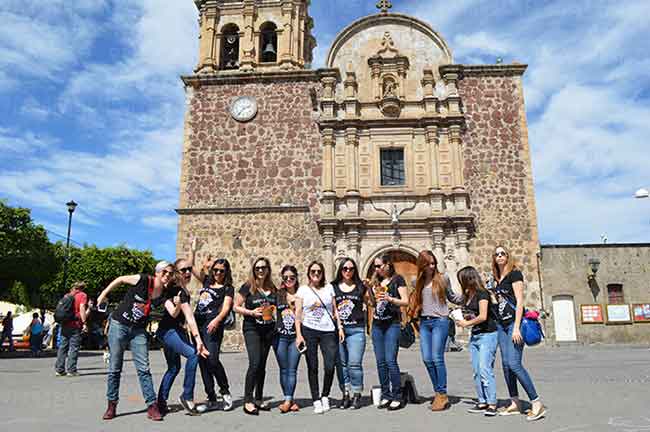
(260, 268)
(500, 254)
(167, 272)
(316, 271)
(186, 269)
(288, 278)
(218, 270)
(348, 269)
(378, 266)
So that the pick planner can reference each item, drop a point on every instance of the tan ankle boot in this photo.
(440, 402)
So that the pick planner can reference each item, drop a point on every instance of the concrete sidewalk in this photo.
(585, 389)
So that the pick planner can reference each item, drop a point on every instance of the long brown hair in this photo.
(438, 283)
(267, 284)
(470, 282)
(511, 264)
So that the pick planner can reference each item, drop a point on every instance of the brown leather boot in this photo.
(440, 402)
(110, 410)
(153, 413)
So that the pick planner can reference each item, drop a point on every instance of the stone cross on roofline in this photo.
(384, 5)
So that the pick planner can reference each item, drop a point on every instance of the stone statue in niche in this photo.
(390, 89)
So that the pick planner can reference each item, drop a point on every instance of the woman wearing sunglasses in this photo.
(350, 294)
(388, 295)
(286, 352)
(214, 305)
(256, 301)
(428, 304)
(171, 331)
(509, 296)
(317, 321)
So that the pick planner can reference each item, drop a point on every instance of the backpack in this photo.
(64, 311)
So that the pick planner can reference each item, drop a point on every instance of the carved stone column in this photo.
(351, 95)
(329, 144)
(458, 180)
(247, 41)
(428, 87)
(353, 238)
(352, 161)
(438, 241)
(328, 251)
(327, 99)
(462, 242)
(209, 48)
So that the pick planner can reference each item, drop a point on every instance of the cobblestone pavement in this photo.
(585, 388)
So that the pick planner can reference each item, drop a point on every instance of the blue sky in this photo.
(91, 107)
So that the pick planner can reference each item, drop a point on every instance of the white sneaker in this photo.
(207, 406)
(318, 407)
(326, 403)
(227, 402)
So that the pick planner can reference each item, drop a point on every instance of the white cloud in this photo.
(169, 223)
(34, 109)
(23, 144)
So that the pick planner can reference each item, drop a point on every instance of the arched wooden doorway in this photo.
(405, 265)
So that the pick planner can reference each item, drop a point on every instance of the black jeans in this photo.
(211, 367)
(258, 344)
(328, 342)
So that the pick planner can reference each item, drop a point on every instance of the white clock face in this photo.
(243, 108)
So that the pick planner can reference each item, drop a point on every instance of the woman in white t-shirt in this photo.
(317, 322)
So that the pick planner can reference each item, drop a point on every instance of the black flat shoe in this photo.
(263, 406)
(383, 404)
(356, 401)
(253, 412)
(345, 402)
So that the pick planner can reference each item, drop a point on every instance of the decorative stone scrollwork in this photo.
(388, 71)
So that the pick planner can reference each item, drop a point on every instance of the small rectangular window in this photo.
(615, 294)
(392, 167)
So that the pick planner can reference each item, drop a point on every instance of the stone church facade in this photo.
(391, 148)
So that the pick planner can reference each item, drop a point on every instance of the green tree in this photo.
(27, 258)
(97, 267)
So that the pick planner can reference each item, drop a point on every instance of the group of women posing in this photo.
(293, 319)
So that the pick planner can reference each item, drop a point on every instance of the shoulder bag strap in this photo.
(322, 304)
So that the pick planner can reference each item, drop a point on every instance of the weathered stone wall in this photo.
(564, 273)
(498, 173)
(250, 189)
(275, 158)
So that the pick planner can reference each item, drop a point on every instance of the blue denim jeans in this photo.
(511, 357)
(483, 348)
(385, 341)
(349, 363)
(119, 336)
(69, 346)
(175, 345)
(288, 358)
(433, 337)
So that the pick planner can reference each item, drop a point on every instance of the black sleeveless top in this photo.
(351, 306)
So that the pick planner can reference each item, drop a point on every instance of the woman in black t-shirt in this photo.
(127, 328)
(256, 302)
(483, 343)
(388, 295)
(509, 296)
(286, 352)
(351, 297)
(171, 331)
(212, 309)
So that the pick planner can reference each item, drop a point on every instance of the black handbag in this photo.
(407, 335)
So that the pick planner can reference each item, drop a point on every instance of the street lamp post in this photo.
(71, 207)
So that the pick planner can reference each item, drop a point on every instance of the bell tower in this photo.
(254, 35)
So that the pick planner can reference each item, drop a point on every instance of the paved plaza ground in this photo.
(585, 388)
